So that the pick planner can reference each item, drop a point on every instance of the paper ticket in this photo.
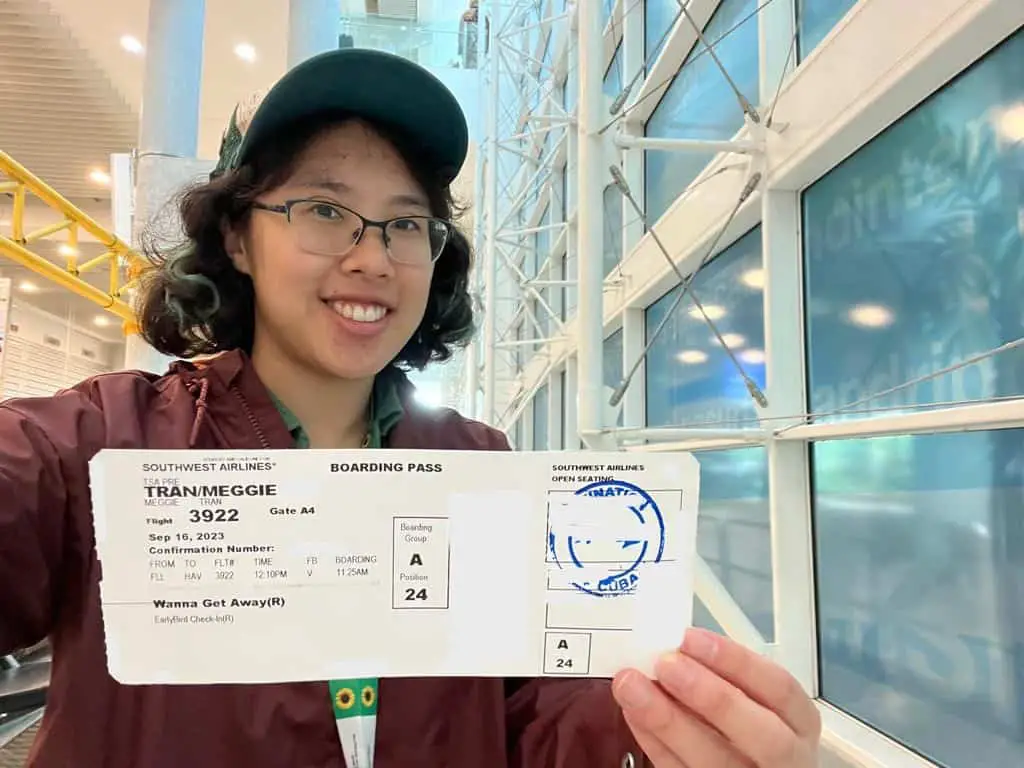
(231, 567)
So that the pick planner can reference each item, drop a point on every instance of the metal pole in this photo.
(174, 72)
(590, 176)
(491, 209)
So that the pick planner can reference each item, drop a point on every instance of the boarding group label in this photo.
(278, 566)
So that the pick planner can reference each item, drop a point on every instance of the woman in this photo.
(320, 259)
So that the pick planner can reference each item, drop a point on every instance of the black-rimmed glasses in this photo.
(329, 229)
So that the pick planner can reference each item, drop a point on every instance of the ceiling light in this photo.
(733, 340)
(753, 278)
(132, 44)
(66, 249)
(245, 52)
(101, 320)
(870, 315)
(713, 312)
(692, 357)
(752, 356)
(99, 177)
(26, 286)
(1010, 123)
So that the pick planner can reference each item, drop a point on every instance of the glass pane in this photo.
(540, 419)
(606, 10)
(569, 272)
(920, 569)
(542, 244)
(815, 19)
(699, 104)
(612, 208)
(612, 378)
(914, 251)
(690, 379)
(612, 85)
(733, 533)
(659, 15)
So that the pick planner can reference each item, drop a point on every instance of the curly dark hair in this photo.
(194, 302)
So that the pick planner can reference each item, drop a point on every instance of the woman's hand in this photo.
(717, 704)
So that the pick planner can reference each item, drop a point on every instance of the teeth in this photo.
(361, 313)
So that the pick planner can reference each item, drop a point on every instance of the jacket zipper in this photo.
(252, 418)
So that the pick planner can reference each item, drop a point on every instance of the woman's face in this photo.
(336, 316)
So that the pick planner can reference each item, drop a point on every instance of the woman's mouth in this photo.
(358, 312)
(359, 319)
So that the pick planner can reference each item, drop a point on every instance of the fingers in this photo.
(752, 729)
(760, 678)
(669, 735)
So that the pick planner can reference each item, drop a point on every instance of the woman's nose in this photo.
(369, 255)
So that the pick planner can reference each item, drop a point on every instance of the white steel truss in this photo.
(522, 285)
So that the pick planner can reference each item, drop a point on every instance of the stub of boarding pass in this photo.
(280, 566)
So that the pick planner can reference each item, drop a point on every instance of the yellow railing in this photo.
(125, 264)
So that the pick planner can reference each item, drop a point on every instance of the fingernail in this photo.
(700, 644)
(632, 690)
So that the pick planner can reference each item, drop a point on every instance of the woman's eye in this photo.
(326, 212)
(406, 225)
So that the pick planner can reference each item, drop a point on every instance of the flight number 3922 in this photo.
(213, 515)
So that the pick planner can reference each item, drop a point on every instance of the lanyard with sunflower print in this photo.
(355, 713)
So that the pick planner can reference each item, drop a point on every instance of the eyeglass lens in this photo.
(332, 230)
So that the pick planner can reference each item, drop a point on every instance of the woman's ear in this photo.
(234, 246)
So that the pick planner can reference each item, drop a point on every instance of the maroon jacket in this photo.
(48, 587)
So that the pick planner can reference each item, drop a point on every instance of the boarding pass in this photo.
(277, 566)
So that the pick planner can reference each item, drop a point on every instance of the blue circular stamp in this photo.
(605, 551)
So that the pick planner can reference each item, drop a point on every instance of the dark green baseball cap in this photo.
(375, 85)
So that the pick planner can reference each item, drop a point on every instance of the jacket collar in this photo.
(240, 408)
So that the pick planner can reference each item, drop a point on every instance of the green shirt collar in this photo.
(385, 412)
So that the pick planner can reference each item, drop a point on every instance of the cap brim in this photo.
(375, 85)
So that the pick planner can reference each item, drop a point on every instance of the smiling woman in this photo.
(320, 264)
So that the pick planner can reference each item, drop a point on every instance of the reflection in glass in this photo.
(444, 43)
(690, 379)
(540, 419)
(613, 367)
(920, 570)
(659, 15)
(914, 251)
(699, 104)
(815, 19)
(733, 533)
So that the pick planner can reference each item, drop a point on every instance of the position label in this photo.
(421, 560)
(566, 653)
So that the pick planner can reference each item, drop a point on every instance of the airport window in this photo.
(815, 19)
(913, 250)
(612, 84)
(613, 367)
(659, 16)
(691, 380)
(699, 104)
(540, 419)
(612, 208)
(918, 585)
(733, 533)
